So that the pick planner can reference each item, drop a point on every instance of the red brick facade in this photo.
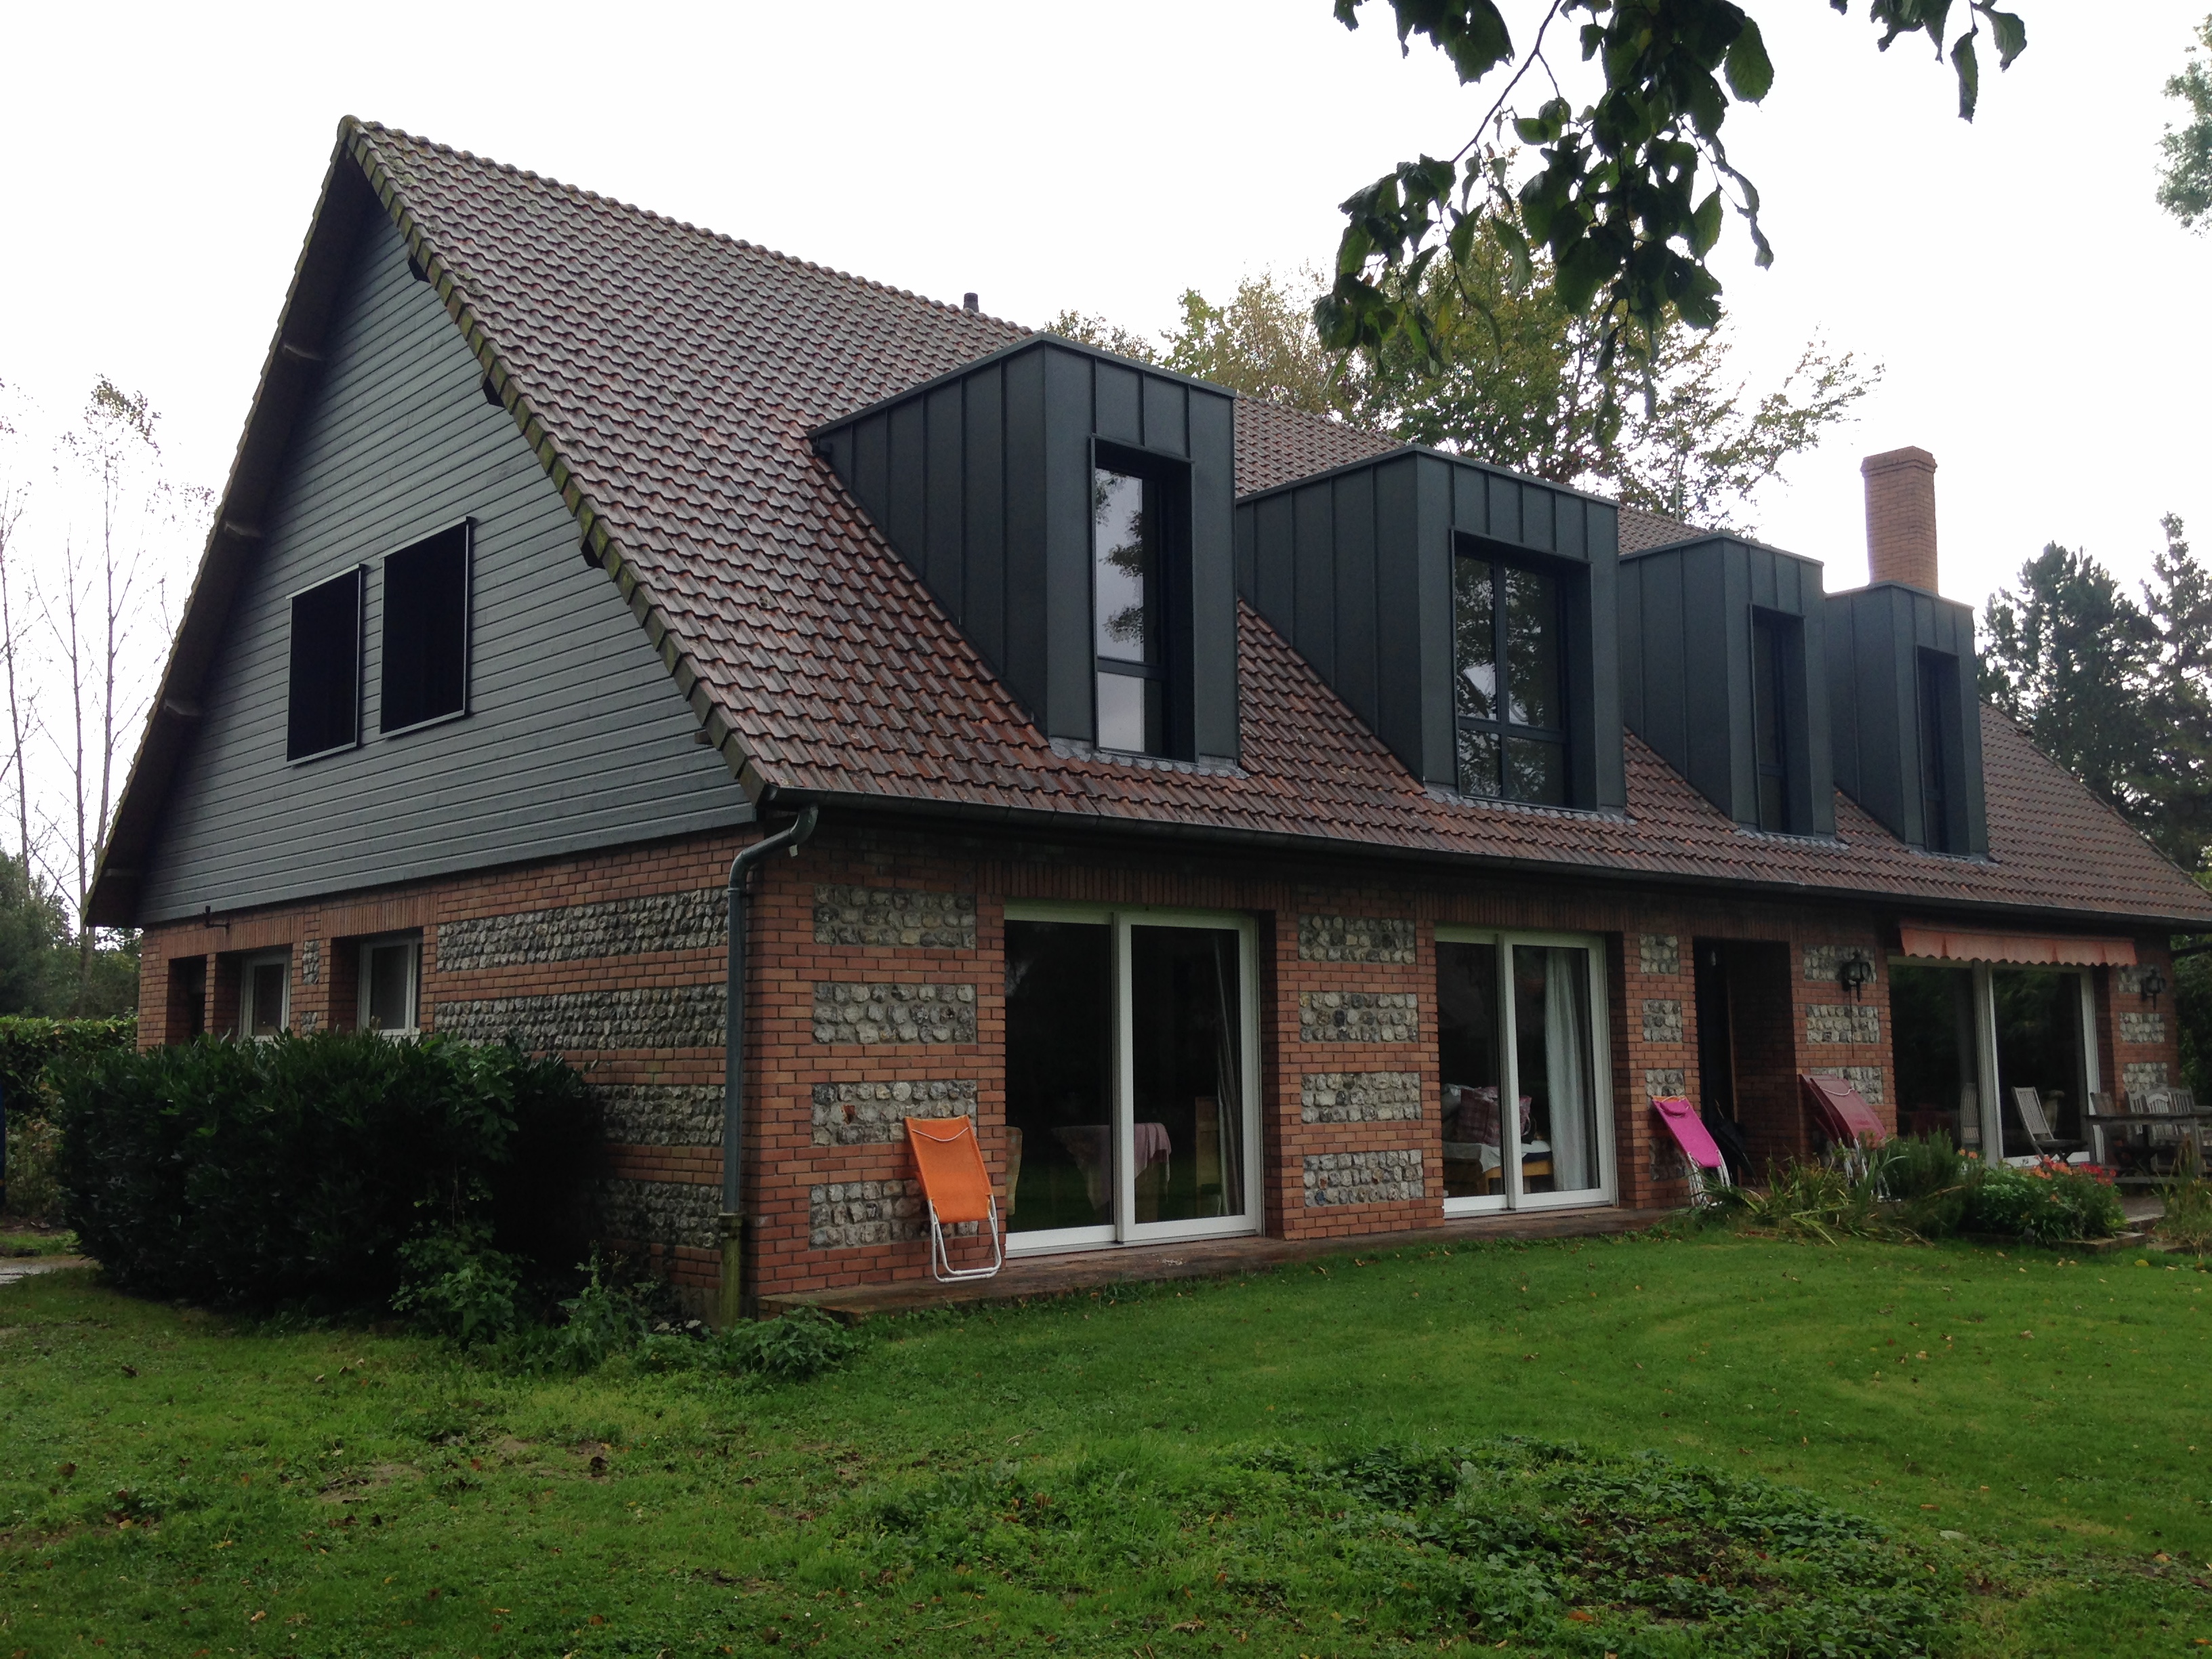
(616, 959)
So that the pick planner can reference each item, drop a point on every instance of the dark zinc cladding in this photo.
(426, 632)
(1125, 611)
(1773, 644)
(1512, 725)
(323, 705)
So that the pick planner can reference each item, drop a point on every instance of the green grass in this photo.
(1220, 1466)
(36, 1241)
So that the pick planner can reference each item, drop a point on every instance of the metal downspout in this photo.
(792, 837)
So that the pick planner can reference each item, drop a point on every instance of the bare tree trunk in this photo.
(11, 512)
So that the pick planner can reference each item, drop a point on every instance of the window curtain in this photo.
(1566, 1070)
(1229, 1097)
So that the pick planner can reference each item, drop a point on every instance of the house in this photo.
(1259, 827)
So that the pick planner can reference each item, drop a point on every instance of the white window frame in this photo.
(1607, 1192)
(246, 1010)
(1125, 1228)
(362, 983)
(1987, 1080)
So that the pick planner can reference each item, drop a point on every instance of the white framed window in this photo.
(1133, 1107)
(1520, 1018)
(390, 979)
(265, 995)
(1964, 1035)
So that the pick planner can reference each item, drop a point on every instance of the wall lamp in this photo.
(2152, 984)
(1854, 974)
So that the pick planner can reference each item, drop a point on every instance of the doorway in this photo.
(1132, 1109)
(1717, 1096)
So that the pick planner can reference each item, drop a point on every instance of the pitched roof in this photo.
(668, 376)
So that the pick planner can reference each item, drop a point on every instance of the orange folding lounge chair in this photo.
(956, 1187)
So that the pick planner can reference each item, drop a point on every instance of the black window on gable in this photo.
(1510, 687)
(426, 631)
(1938, 699)
(323, 705)
(1134, 545)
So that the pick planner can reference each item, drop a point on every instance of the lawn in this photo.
(1995, 1453)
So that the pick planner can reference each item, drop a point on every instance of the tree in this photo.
(1518, 383)
(2185, 181)
(34, 961)
(1616, 205)
(15, 494)
(2118, 691)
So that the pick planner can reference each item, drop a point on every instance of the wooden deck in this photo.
(1027, 1278)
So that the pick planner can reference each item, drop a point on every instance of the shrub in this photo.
(28, 1048)
(2187, 1222)
(456, 1286)
(293, 1170)
(795, 1348)
(2046, 1203)
(1815, 1199)
(1927, 1181)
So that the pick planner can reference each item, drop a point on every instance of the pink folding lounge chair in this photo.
(1841, 1114)
(1690, 1134)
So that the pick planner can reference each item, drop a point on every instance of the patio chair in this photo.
(2112, 1131)
(957, 1189)
(2162, 1141)
(1695, 1142)
(1841, 1114)
(2028, 1103)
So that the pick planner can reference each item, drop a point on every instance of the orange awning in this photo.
(2072, 951)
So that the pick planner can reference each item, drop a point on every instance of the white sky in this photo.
(2032, 306)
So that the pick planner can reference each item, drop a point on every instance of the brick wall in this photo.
(877, 989)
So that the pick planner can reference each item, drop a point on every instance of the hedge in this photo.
(291, 1172)
(29, 1045)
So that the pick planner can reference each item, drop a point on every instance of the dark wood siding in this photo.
(576, 736)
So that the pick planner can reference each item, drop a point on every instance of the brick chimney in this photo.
(1900, 513)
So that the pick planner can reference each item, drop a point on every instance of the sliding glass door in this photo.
(1131, 1109)
(1520, 1017)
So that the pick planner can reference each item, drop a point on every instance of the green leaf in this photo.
(1706, 225)
(2011, 34)
(1970, 75)
(1583, 269)
(1750, 71)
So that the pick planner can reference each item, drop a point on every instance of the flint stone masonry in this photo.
(1361, 1097)
(2143, 1028)
(862, 1114)
(311, 1019)
(1665, 1082)
(310, 963)
(894, 1013)
(1842, 1022)
(660, 1211)
(661, 1115)
(2131, 979)
(1823, 962)
(1377, 1177)
(1867, 1079)
(655, 1016)
(850, 1215)
(574, 932)
(1662, 1020)
(893, 916)
(1356, 938)
(1358, 1017)
(2142, 1074)
(1659, 953)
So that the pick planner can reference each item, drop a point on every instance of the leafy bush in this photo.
(1927, 1180)
(2045, 1203)
(293, 1170)
(35, 1146)
(458, 1286)
(795, 1347)
(1808, 1199)
(28, 1048)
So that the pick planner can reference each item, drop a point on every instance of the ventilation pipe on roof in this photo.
(790, 838)
(971, 302)
(1900, 513)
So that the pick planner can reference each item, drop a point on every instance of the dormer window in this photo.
(1773, 660)
(1509, 691)
(1126, 523)
(1938, 696)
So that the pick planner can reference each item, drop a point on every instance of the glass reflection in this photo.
(1125, 551)
(1532, 648)
(1559, 1151)
(1468, 1066)
(1188, 1118)
(1060, 1075)
(1476, 688)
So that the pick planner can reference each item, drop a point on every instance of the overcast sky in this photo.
(2044, 327)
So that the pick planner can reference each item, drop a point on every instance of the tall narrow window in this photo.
(1510, 690)
(426, 631)
(1771, 656)
(1938, 679)
(323, 710)
(1125, 612)
(265, 995)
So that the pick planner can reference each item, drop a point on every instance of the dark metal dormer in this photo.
(1072, 511)
(1466, 613)
(1905, 708)
(1723, 672)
